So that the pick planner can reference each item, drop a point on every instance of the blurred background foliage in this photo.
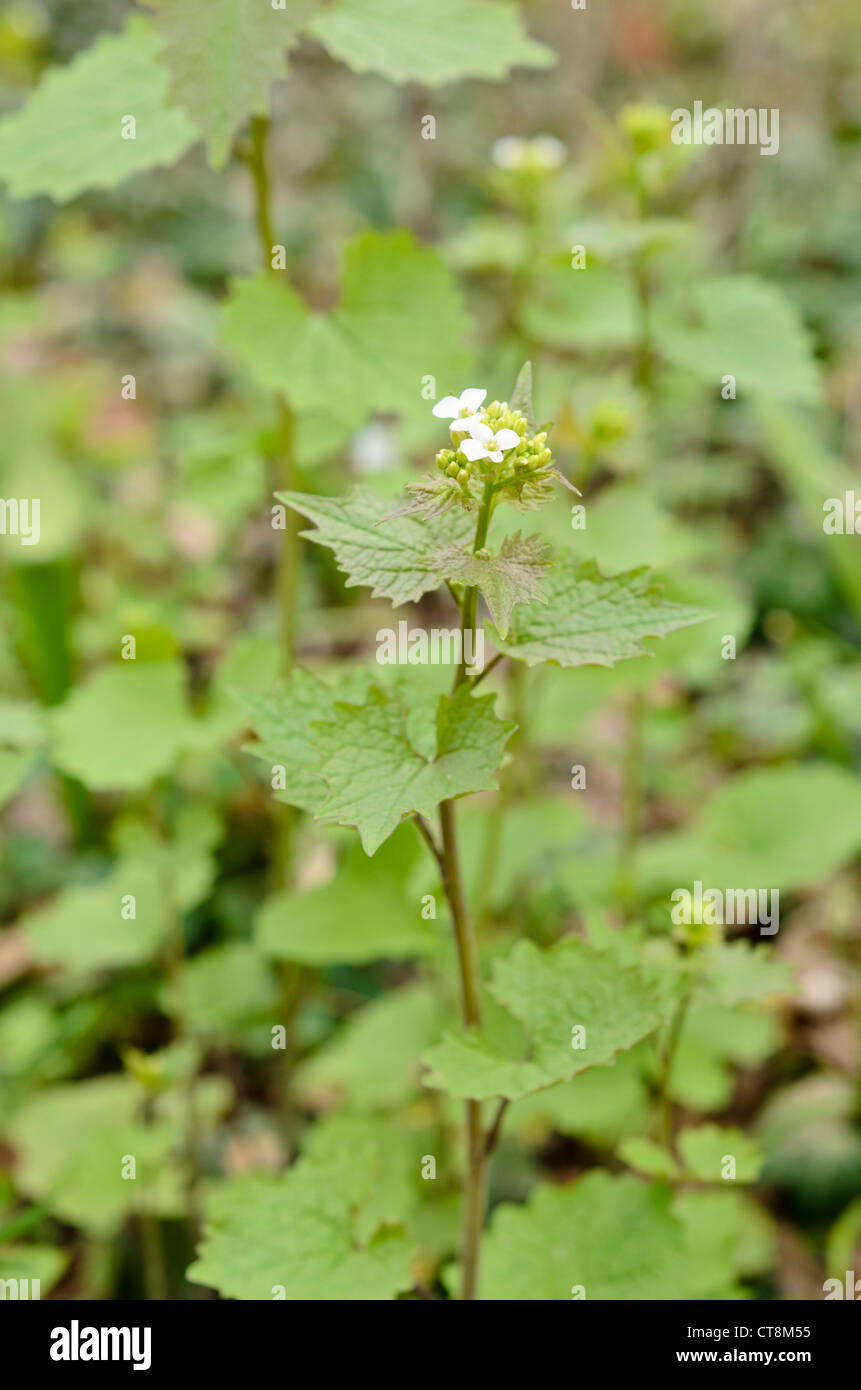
(154, 1037)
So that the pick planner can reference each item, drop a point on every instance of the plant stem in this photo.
(475, 1187)
(469, 602)
(286, 587)
(467, 953)
(285, 462)
(673, 1037)
(175, 967)
(632, 797)
(155, 1273)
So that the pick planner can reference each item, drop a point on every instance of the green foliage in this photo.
(125, 726)
(205, 972)
(745, 322)
(399, 320)
(513, 576)
(307, 1232)
(398, 557)
(364, 913)
(545, 996)
(592, 621)
(379, 768)
(614, 1237)
(222, 57)
(68, 136)
(783, 826)
(406, 42)
(81, 1180)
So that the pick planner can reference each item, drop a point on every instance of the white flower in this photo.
(549, 151)
(372, 449)
(508, 152)
(543, 151)
(463, 409)
(484, 444)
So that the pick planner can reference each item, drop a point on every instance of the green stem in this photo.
(284, 818)
(673, 1037)
(175, 964)
(285, 461)
(644, 368)
(475, 1186)
(469, 602)
(632, 796)
(155, 1274)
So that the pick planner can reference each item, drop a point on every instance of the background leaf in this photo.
(407, 42)
(67, 136)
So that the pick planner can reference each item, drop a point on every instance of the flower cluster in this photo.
(496, 454)
(492, 444)
(540, 155)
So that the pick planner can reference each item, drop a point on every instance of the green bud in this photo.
(453, 470)
(610, 421)
(463, 477)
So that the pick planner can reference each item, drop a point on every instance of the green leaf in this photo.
(741, 326)
(549, 994)
(592, 621)
(649, 1158)
(521, 397)
(406, 41)
(223, 56)
(68, 135)
(400, 320)
(376, 774)
(282, 720)
(124, 726)
(728, 1227)
(83, 927)
(511, 577)
(601, 1106)
(396, 556)
(772, 827)
(221, 988)
(738, 972)
(70, 1141)
(372, 1062)
(583, 310)
(615, 1237)
(42, 1262)
(302, 1232)
(705, 1149)
(713, 1040)
(15, 765)
(365, 913)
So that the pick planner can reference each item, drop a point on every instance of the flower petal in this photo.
(471, 399)
(471, 449)
(447, 408)
(468, 424)
(480, 431)
(507, 439)
(495, 457)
